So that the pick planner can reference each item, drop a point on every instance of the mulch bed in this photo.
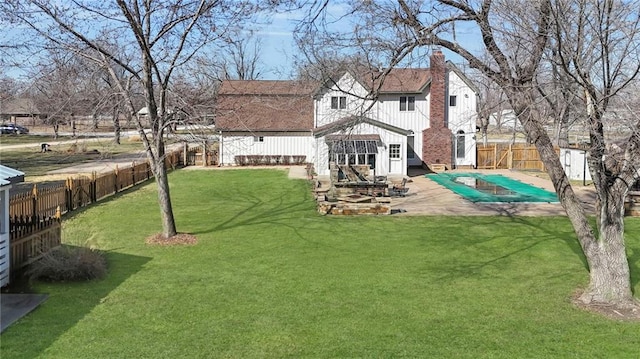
(180, 239)
(622, 312)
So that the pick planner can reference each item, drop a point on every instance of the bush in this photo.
(69, 263)
(298, 160)
(255, 160)
(241, 160)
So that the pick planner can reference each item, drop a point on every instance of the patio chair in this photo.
(399, 190)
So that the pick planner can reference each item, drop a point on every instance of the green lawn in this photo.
(270, 278)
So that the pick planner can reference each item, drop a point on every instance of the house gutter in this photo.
(221, 149)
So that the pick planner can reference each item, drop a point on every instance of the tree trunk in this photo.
(94, 118)
(164, 198)
(608, 266)
(609, 278)
(562, 132)
(116, 126)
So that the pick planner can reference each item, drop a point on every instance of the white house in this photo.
(418, 117)
(8, 176)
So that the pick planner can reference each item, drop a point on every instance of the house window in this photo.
(258, 139)
(407, 103)
(371, 160)
(460, 145)
(453, 100)
(338, 102)
(394, 151)
(352, 152)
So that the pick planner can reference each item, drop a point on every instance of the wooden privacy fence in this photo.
(78, 192)
(31, 238)
(509, 156)
(34, 216)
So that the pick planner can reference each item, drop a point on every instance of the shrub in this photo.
(69, 263)
(274, 160)
(241, 160)
(298, 160)
(255, 160)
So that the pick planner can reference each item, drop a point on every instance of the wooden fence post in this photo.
(115, 180)
(510, 157)
(68, 189)
(93, 187)
(185, 149)
(495, 156)
(133, 173)
(34, 200)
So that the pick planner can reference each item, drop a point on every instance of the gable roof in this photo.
(451, 66)
(400, 80)
(350, 121)
(257, 105)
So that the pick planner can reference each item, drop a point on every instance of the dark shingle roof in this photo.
(264, 106)
(400, 80)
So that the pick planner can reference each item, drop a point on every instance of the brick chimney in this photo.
(437, 140)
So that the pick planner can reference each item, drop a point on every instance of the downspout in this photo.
(315, 140)
(584, 168)
(221, 149)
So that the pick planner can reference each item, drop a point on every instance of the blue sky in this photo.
(279, 49)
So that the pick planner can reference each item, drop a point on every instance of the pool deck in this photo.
(425, 197)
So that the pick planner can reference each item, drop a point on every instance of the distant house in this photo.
(8, 176)
(420, 117)
(22, 111)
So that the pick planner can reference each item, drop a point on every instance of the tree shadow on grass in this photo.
(67, 304)
(536, 233)
(264, 209)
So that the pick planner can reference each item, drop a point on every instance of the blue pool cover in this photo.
(494, 188)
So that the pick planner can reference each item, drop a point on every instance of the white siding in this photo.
(347, 87)
(5, 251)
(462, 117)
(382, 158)
(387, 110)
(232, 146)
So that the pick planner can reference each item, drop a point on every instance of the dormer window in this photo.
(338, 102)
(407, 103)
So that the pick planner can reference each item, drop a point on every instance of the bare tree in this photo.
(155, 38)
(10, 88)
(492, 104)
(598, 46)
(242, 60)
(603, 60)
(56, 83)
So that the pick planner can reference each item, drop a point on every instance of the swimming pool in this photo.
(477, 187)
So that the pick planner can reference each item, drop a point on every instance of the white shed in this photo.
(8, 176)
(575, 165)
